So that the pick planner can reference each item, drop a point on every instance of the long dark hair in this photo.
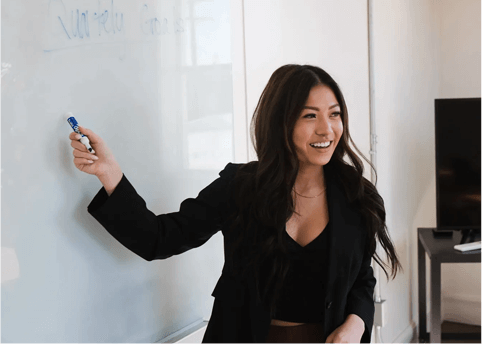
(264, 188)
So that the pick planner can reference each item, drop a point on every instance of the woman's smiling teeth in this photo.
(320, 144)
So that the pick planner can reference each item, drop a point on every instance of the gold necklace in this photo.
(309, 196)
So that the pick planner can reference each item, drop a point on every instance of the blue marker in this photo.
(73, 123)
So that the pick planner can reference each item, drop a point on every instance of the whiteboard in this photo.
(154, 80)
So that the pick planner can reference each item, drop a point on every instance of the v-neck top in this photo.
(302, 297)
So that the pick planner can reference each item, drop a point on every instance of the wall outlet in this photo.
(379, 319)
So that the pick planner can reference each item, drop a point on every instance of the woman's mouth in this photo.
(321, 145)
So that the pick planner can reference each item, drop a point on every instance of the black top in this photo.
(303, 295)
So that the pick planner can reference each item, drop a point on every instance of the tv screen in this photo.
(457, 160)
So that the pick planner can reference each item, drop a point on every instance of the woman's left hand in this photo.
(348, 332)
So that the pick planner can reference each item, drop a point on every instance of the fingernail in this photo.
(90, 161)
(95, 157)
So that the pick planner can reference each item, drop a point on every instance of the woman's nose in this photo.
(323, 127)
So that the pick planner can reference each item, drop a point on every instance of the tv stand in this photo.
(440, 250)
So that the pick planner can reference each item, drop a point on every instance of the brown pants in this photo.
(306, 333)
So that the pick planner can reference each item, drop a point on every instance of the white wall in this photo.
(405, 84)
(459, 25)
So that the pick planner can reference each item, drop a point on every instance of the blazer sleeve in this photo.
(125, 216)
(360, 297)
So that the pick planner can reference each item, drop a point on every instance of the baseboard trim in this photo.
(408, 335)
(463, 309)
(193, 333)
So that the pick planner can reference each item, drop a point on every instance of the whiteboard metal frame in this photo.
(241, 118)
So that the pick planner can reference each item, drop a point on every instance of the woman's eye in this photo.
(313, 115)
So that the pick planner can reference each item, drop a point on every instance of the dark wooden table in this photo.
(440, 250)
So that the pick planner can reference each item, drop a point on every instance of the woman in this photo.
(299, 225)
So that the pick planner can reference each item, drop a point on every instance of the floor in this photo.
(453, 327)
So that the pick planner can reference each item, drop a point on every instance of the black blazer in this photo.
(238, 314)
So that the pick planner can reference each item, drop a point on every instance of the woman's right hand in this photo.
(101, 164)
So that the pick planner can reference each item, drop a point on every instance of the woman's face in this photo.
(319, 122)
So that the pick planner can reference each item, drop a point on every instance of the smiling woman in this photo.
(300, 134)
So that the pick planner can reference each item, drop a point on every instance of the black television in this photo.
(457, 164)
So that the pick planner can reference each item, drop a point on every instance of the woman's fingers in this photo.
(78, 145)
(75, 138)
(93, 137)
(82, 161)
(86, 155)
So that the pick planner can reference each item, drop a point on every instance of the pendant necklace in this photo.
(309, 196)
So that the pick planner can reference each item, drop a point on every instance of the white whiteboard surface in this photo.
(153, 79)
